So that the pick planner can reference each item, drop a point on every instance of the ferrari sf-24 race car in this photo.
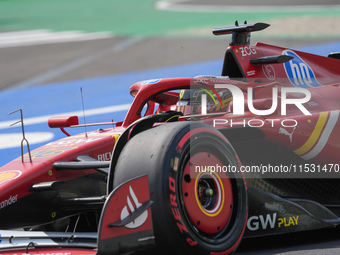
(196, 165)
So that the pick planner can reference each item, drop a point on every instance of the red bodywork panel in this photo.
(49, 251)
(316, 137)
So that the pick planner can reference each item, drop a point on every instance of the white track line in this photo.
(38, 37)
(181, 6)
(13, 140)
(44, 119)
(46, 76)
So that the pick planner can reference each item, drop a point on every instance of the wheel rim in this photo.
(207, 195)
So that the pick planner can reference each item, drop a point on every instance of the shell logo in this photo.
(9, 175)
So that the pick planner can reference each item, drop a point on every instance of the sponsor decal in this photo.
(289, 221)
(251, 73)
(175, 211)
(9, 175)
(300, 74)
(261, 222)
(285, 132)
(247, 50)
(105, 156)
(270, 221)
(48, 153)
(219, 80)
(9, 201)
(153, 81)
(71, 142)
(181, 94)
(269, 72)
(129, 208)
(121, 203)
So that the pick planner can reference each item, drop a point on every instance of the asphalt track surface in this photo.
(41, 78)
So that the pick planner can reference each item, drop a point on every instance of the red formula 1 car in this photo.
(198, 163)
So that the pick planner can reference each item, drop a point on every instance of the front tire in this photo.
(199, 205)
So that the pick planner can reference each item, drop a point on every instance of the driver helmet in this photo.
(190, 101)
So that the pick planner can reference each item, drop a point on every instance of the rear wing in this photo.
(240, 33)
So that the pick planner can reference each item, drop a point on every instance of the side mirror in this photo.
(335, 55)
(62, 122)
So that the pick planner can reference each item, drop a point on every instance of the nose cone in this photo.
(16, 204)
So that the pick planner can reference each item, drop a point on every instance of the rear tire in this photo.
(194, 212)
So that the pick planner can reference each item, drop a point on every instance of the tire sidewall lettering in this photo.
(174, 182)
(174, 195)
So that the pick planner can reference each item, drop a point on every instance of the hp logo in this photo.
(298, 72)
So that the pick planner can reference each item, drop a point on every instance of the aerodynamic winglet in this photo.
(245, 28)
(134, 215)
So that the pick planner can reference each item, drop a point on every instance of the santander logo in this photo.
(131, 207)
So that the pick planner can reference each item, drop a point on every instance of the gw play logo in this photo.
(270, 221)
